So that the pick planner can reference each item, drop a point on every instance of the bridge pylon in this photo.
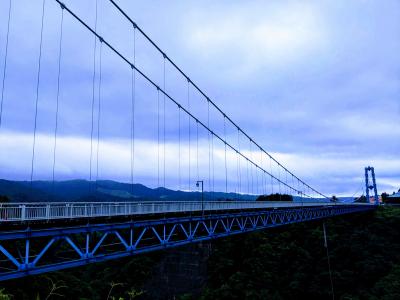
(372, 186)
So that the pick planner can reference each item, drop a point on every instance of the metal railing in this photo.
(72, 210)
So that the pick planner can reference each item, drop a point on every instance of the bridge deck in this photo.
(29, 251)
(19, 212)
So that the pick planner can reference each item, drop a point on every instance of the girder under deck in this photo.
(27, 252)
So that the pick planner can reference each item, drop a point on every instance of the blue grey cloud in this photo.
(317, 84)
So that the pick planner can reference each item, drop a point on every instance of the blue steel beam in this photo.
(161, 234)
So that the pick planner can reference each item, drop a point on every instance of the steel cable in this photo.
(179, 146)
(93, 96)
(37, 90)
(133, 100)
(58, 94)
(156, 86)
(188, 106)
(5, 63)
(199, 90)
(99, 113)
(164, 145)
(226, 167)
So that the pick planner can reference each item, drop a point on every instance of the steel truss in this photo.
(81, 245)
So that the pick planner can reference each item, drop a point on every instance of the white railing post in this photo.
(23, 212)
(66, 210)
(43, 211)
(47, 211)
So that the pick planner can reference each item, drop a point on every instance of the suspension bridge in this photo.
(170, 135)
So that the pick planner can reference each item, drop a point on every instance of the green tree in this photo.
(4, 199)
(275, 197)
(384, 197)
(4, 295)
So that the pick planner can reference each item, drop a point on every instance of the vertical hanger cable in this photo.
(188, 106)
(93, 98)
(239, 165)
(158, 137)
(209, 146)
(164, 144)
(37, 91)
(179, 147)
(58, 95)
(5, 61)
(133, 100)
(226, 167)
(99, 112)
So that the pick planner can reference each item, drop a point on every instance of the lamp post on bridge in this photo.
(202, 193)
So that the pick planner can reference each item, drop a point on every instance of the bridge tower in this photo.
(371, 187)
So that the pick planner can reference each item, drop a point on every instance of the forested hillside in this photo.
(284, 263)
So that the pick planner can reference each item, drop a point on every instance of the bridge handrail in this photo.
(36, 211)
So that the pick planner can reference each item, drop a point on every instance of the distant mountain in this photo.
(347, 199)
(21, 191)
(104, 190)
(304, 199)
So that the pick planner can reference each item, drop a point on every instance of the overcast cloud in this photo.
(317, 84)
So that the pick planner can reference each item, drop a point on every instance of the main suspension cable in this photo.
(156, 86)
(201, 92)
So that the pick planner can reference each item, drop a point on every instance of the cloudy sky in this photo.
(316, 84)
